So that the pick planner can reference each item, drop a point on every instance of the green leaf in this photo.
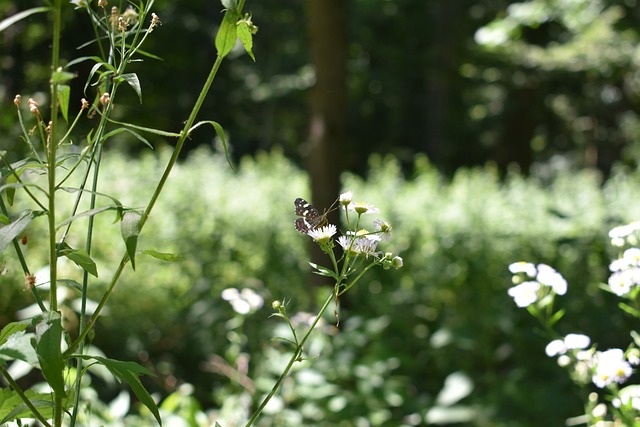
(145, 129)
(132, 80)
(80, 257)
(11, 329)
(221, 135)
(60, 77)
(88, 213)
(130, 229)
(18, 347)
(163, 256)
(64, 92)
(227, 33)
(246, 37)
(6, 23)
(322, 271)
(630, 310)
(16, 228)
(48, 340)
(136, 134)
(71, 284)
(129, 373)
(12, 407)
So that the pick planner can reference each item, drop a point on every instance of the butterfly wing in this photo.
(310, 216)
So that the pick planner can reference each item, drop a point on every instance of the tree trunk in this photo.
(328, 106)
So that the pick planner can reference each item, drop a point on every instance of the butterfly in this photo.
(310, 217)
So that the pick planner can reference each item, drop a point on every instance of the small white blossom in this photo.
(384, 230)
(577, 341)
(555, 348)
(345, 198)
(550, 277)
(621, 282)
(364, 208)
(610, 367)
(523, 267)
(322, 234)
(525, 293)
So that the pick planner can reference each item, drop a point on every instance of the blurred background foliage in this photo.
(487, 132)
(464, 82)
(403, 332)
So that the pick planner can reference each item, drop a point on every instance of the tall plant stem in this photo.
(52, 145)
(184, 134)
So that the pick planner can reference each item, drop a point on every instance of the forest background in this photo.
(489, 131)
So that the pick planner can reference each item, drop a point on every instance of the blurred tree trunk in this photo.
(327, 22)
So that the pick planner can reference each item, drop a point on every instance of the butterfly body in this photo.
(310, 217)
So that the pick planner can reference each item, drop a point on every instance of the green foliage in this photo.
(402, 333)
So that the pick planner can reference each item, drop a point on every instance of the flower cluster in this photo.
(357, 241)
(533, 282)
(535, 286)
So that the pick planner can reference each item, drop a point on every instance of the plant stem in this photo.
(52, 145)
(184, 134)
(294, 358)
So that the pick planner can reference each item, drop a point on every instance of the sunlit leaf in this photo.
(163, 256)
(227, 33)
(80, 257)
(64, 92)
(129, 372)
(130, 229)
(6, 23)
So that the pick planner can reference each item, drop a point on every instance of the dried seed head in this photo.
(33, 106)
(85, 104)
(105, 98)
(29, 281)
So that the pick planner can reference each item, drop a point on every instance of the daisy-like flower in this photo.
(610, 367)
(322, 234)
(358, 245)
(384, 230)
(525, 293)
(364, 208)
(621, 282)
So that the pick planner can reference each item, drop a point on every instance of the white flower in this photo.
(622, 234)
(346, 197)
(555, 348)
(621, 282)
(364, 208)
(550, 277)
(384, 230)
(523, 267)
(322, 234)
(577, 341)
(525, 293)
(610, 367)
(358, 245)
(570, 342)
